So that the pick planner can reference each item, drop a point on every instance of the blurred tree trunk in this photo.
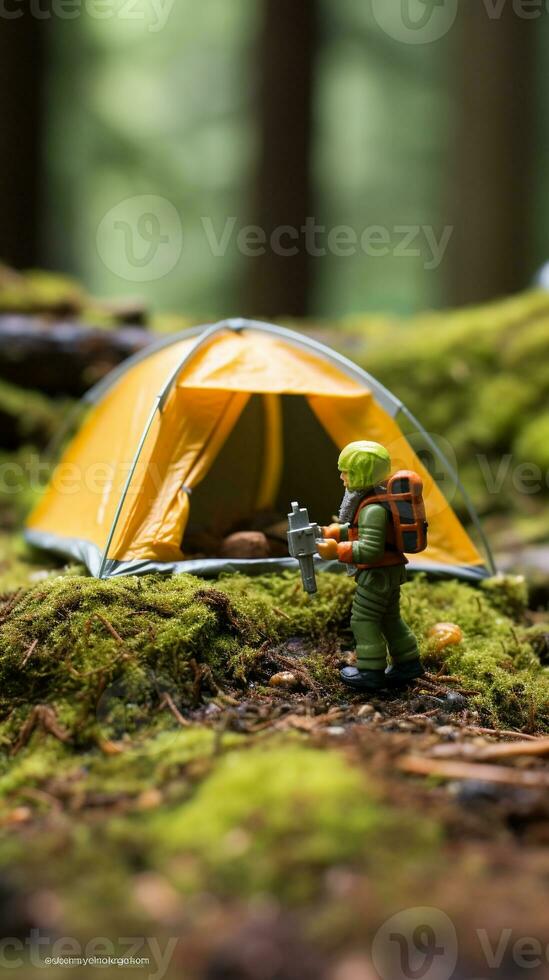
(21, 85)
(280, 284)
(493, 153)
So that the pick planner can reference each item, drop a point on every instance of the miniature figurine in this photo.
(378, 523)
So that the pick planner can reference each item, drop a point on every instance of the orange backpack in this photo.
(402, 498)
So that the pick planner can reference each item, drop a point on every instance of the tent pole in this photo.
(159, 403)
(124, 494)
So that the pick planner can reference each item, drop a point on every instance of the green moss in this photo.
(39, 291)
(28, 416)
(478, 378)
(22, 566)
(532, 444)
(497, 660)
(103, 654)
(155, 761)
(288, 813)
(242, 822)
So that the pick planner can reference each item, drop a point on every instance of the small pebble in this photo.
(284, 679)
(21, 814)
(245, 544)
(446, 731)
(443, 718)
(149, 799)
(365, 709)
(295, 647)
(425, 703)
(445, 635)
(212, 709)
(335, 730)
(455, 701)
(475, 791)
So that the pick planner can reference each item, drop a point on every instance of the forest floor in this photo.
(181, 764)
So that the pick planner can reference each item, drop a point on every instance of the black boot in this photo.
(402, 675)
(364, 680)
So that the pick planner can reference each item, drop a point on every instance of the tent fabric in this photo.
(256, 362)
(122, 494)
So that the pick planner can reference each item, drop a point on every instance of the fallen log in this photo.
(63, 357)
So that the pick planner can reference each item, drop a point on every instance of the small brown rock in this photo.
(445, 635)
(21, 814)
(149, 799)
(245, 544)
(284, 679)
(110, 748)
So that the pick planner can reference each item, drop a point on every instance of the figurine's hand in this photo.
(327, 549)
(332, 531)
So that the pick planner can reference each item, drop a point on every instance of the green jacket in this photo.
(372, 532)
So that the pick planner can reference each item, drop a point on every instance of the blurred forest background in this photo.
(269, 113)
(142, 139)
(156, 778)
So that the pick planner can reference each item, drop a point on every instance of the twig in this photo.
(41, 716)
(29, 653)
(108, 626)
(282, 613)
(79, 675)
(422, 714)
(473, 729)
(501, 750)
(168, 702)
(505, 775)
(9, 606)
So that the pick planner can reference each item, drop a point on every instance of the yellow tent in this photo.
(218, 423)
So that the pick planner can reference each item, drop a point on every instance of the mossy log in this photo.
(63, 357)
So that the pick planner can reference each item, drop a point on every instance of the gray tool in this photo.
(302, 537)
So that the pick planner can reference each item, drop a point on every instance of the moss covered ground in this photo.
(179, 761)
(153, 779)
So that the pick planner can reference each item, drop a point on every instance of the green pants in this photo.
(376, 621)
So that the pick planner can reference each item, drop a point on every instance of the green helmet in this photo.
(367, 464)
